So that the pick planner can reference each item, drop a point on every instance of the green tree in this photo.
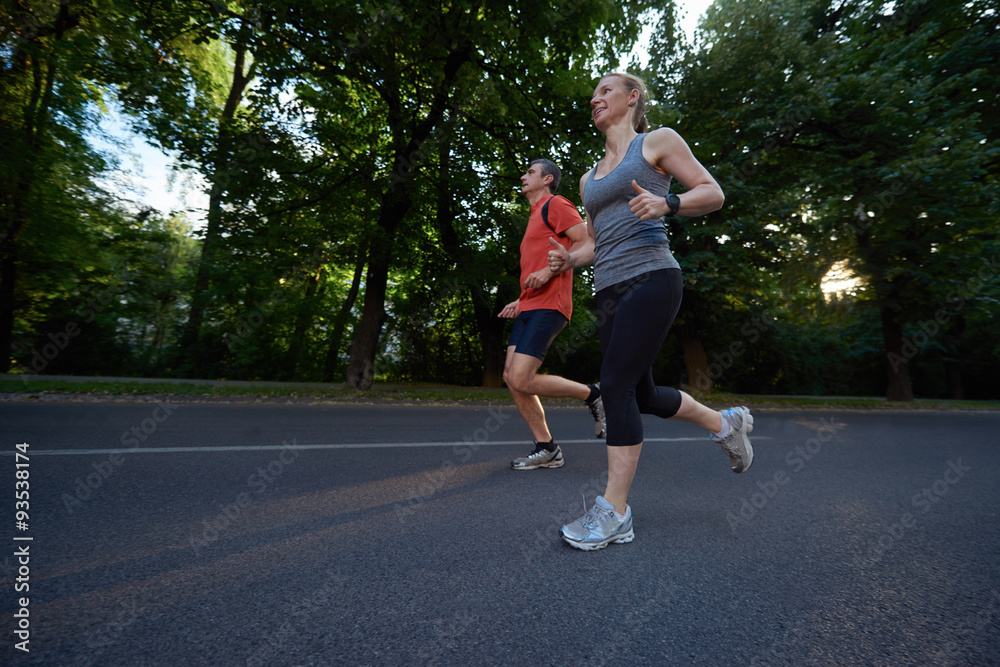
(192, 101)
(46, 108)
(412, 78)
(859, 134)
(732, 258)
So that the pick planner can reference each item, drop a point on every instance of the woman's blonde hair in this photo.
(633, 82)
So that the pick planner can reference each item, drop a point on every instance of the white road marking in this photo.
(355, 445)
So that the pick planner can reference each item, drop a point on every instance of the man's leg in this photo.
(522, 373)
(520, 365)
(526, 385)
(546, 453)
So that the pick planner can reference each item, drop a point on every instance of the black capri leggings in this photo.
(633, 318)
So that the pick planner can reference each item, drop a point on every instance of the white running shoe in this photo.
(736, 443)
(599, 527)
(600, 419)
(539, 458)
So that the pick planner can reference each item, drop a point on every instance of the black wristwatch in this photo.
(673, 203)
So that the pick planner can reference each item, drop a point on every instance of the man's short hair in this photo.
(549, 168)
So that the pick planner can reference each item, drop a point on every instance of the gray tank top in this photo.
(624, 246)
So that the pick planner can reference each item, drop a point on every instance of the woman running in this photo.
(638, 282)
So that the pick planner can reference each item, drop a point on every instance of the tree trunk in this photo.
(302, 321)
(16, 199)
(491, 340)
(695, 359)
(340, 324)
(220, 180)
(898, 385)
(897, 350)
(8, 270)
(8, 280)
(489, 326)
(493, 361)
(361, 366)
(956, 388)
(396, 203)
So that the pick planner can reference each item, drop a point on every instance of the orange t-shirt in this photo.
(557, 294)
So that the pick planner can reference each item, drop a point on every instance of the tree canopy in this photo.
(362, 162)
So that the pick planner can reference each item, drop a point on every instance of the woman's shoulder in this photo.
(662, 136)
(661, 145)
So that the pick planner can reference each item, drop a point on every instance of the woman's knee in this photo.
(616, 393)
(663, 402)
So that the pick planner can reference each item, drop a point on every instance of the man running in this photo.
(541, 312)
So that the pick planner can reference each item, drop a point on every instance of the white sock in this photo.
(726, 429)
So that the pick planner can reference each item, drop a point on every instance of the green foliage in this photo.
(363, 163)
(57, 224)
(840, 132)
(117, 315)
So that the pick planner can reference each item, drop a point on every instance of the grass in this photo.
(331, 392)
(34, 387)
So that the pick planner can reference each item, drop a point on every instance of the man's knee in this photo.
(519, 376)
(518, 380)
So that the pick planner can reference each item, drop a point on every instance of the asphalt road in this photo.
(294, 534)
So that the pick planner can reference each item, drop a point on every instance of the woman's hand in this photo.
(647, 206)
(559, 259)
